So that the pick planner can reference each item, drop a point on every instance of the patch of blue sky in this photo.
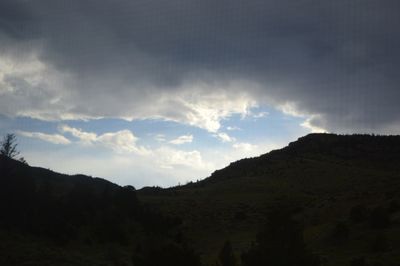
(11, 125)
(273, 125)
(152, 133)
(145, 129)
(264, 124)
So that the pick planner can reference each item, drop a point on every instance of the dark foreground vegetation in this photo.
(323, 200)
(52, 219)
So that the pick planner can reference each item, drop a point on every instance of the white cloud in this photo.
(120, 141)
(164, 167)
(114, 70)
(125, 142)
(52, 138)
(291, 108)
(182, 139)
(170, 158)
(205, 106)
(247, 147)
(260, 115)
(84, 137)
(224, 137)
(314, 129)
(29, 87)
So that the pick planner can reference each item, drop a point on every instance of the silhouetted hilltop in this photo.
(60, 184)
(47, 218)
(344, 190)
(334, 198)
(361, 150)
(56, 206)
(365, 147)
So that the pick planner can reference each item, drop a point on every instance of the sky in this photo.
(154, 92)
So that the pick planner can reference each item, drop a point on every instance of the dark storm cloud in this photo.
(336, 60)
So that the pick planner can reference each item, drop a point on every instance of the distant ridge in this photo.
(344, 190)
(47, 218)
(369, 150)
(62, 182)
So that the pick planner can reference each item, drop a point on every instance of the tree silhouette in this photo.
(8, 147)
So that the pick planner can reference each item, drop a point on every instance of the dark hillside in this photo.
(358, 150)
(345, 190)
(48, 218)
(325, 199)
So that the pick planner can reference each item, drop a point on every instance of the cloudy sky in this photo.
(155, 92)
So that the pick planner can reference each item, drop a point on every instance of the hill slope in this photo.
(344, 189)
(48, 218)
(340, 193)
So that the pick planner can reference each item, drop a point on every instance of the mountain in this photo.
(47, 218)
(344, 189)
(324, 199)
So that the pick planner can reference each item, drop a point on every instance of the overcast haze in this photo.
(160, 92)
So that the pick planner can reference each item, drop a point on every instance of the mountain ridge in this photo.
(346, 147)
(322, 177)
(344, 190)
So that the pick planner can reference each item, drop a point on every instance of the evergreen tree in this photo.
(8, 147)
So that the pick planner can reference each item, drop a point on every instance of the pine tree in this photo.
(8, 147)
